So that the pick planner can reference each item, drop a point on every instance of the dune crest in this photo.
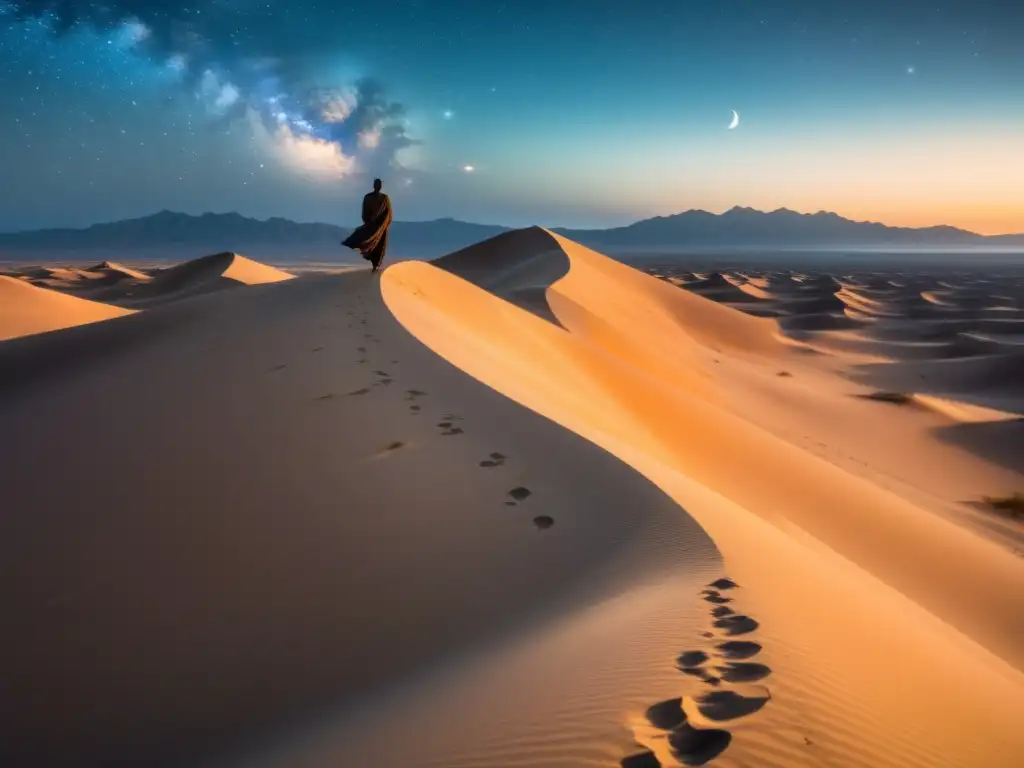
(523, 506)
(50, 298)
(27, 309)
(209, 273)
(817, 548)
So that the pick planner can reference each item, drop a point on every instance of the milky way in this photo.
(576, 113)
(209, 49)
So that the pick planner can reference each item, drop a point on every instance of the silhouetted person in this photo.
(371, 239)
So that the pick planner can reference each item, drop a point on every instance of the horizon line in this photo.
(781, 209)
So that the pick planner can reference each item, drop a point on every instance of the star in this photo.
(910, 70)
(468, 168)
(448, 114)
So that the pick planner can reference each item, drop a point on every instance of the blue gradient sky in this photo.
(571, 113)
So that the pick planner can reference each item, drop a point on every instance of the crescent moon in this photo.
(735, 119)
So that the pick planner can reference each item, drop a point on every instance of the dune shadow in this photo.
(28, 360)
(516, 266)
(998, 442)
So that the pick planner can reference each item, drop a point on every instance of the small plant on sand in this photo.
(784, 374)
(1013, 505)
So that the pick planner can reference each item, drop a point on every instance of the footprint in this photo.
(392, 447)
(730, 705)
(415, 409)
(693, 671)
(317, 349)
(362, 391)
(520, 493)
(543, 522)
(361, 349)
(383, 382)
(721, 610)
(385, 374)
(412, 394)
(736, 624)
(450, 430)
(696, 746)
(714, 597)
(739, 649)
(640, 760)
(277, 368)
(328, 396)
(496, 460)
(666, 714)
(723, 583)
(691, 659)
(744, 672)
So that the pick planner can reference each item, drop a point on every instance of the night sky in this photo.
(561, 112)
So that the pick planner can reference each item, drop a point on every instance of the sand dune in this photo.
(26, 309)
(656, 428)
(39, 299)
(523, 505)
(113, 272)
(202, 275)
(115, 283)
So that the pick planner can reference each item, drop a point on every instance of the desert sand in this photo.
(521, 506)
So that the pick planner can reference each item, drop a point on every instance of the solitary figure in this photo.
(371, 239)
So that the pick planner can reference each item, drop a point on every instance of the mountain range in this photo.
(168, 234)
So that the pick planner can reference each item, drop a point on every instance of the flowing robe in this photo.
(371, 239)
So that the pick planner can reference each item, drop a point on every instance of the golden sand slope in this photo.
(202, 275)
(894, 658)
(50, 298)
(327, 545)
(26, 309)
(310, 509)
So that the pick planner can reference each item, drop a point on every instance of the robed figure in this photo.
(371, 239)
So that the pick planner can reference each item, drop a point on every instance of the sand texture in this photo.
(521, 506)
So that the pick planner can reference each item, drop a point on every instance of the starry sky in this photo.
(575, 112)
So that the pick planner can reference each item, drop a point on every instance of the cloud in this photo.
(133, 32)
(353, 128)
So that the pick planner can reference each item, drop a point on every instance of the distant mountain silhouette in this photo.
(177, 235)
(783, 228)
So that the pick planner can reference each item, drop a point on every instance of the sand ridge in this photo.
(530, 504)
(591, 387)
(39, 299)
(340, 511)
(26, 309)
